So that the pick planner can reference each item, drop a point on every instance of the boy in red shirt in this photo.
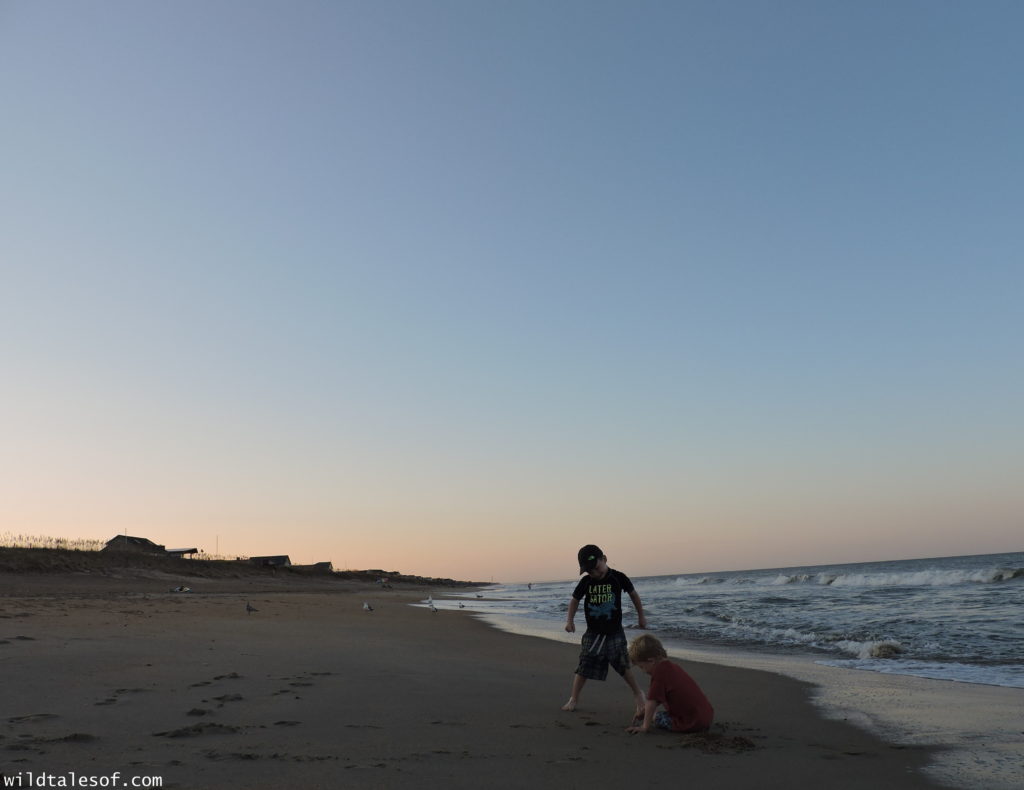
(686, 707)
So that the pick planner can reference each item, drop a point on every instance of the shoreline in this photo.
(978, 747)
(311, 689)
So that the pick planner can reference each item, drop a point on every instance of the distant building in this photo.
(273, 561)
(133, 544)
(316, 567)
(180, 553)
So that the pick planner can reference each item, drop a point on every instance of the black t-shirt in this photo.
(602, 601)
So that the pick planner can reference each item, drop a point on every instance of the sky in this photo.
(455, 287)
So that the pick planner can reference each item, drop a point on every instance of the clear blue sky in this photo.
(455, 287)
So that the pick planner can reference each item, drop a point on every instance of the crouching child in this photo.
(674, 702)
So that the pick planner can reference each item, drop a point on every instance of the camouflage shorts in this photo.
(600, 650)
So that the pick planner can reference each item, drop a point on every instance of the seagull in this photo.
(462, 605)
(367, 607)
(433, 608)
(249, 608)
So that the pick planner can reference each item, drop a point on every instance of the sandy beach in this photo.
(119, 675)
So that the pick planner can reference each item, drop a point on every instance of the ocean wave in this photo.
(775, 600)
(874, 649)
(797, 578)
(731, 631)
(884, 648)
(689, 581)
(929, 578)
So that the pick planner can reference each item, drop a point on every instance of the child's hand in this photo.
(635, 730)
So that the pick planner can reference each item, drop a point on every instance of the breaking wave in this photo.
(929, 578)
(886, 648)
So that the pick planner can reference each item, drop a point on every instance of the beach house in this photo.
(133, 544)
(271, 561)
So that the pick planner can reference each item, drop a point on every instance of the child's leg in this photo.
(638, 694)
(593, 665)
(618, 657)
(577, 687)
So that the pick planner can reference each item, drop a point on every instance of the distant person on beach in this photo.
(604, 642)
(686, 709)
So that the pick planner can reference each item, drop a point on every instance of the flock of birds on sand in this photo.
(430, 604)
(249, 608)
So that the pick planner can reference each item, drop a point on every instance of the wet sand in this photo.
(311, 691)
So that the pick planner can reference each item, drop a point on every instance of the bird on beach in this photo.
(367, 607)
(462, 605)
(433, 608)
(249, 608)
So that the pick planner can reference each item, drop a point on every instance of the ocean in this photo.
(950, 618)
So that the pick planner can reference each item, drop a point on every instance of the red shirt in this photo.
(681, 696)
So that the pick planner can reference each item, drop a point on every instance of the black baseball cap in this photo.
(588, 557)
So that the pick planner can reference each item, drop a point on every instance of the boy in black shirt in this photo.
(604, 642)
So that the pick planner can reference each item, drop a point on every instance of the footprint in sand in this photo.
(225, 698)
(117, 693)
(197, 730)
(75, 737)
(32, 717)
(212, 754)
(33, 743)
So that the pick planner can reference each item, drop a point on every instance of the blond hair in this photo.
(645, 648)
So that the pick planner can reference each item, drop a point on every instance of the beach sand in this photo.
(311, 691)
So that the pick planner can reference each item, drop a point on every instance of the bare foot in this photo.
(570, 705)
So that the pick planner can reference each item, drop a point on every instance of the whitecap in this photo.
(928, 578)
